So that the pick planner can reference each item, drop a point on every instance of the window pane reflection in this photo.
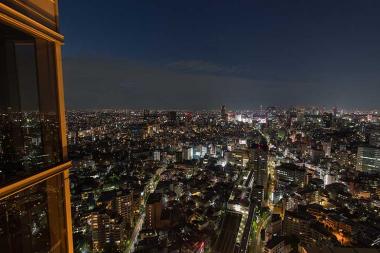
(29, 124)
(33, 220)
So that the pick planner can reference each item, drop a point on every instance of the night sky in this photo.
(200, 54)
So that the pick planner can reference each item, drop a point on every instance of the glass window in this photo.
(33, 220)
(29, 123)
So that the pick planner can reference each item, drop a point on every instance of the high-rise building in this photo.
(374, 138)
(35, 213)
(368, 159)
(327, 148)
(106, 228)
(153, 211)
(156, 155)
(187, 153)
(122, 205)
(223, 113)
(146, 114)
(258, 162)
(172, 117)
(291, 173)
(327, 120)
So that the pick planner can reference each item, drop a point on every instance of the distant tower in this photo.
(223, 113)
(172, 116)
(146, 114)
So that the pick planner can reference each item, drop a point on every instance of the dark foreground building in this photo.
(35, 213)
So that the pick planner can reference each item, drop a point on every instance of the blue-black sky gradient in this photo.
(201, 54)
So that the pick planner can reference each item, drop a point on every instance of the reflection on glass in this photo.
(33, 220)
(29, 123)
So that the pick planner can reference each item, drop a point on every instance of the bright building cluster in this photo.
(270, 180)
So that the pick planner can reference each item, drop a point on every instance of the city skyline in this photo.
(215, 127)
(198, 56)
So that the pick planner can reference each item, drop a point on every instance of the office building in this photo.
(368, 159)
(329, 179)
(223, 113)
(327, 120)
(374, 138)
(239, 157)
(327, 148)
(291, 173)
(258, 162)
(187, 153)
(35, 212)
(123, 205)
(172, 117)
(156, 155)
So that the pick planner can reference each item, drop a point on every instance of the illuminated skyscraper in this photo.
(35, 213)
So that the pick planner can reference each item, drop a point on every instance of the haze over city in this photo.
(200, 54)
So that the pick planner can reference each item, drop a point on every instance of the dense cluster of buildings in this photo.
(271, 180)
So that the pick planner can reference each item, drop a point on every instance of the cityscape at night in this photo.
(269, 180)
(189, 126)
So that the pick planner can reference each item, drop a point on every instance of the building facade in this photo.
(291, 173)
(368, 159)
(35, 213)
(153, 211)
(258, 162)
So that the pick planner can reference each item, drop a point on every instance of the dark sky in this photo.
(200, 54)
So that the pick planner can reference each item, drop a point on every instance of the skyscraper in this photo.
(172, 117)
(258, 162)
(368, 159)
(223, 113)
(35, 214)
(290, 173)
(187, 153)
(374, 138)
(153, 211)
